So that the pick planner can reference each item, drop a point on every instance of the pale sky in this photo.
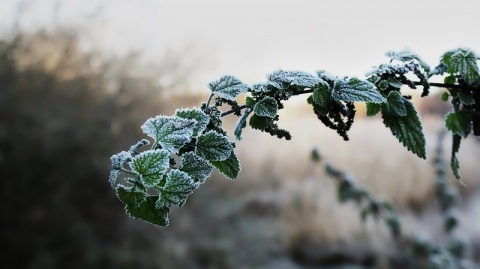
(251, 38)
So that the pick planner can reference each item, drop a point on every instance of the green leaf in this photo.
(196, 114)
(396, 103)
(148, 212)
(356, 90)
(131, 196)
(229, 167)
(178, 187)
(464, 62)
(450, 80)
(259, 123)
(172, 133)
(195, 166)
(394, 83)
(283, 79)
(214, 146)
(466, 98)
(249, 102)
(373, 109)
(228, 87)
(445, 96)
(322, 96)
(459, 123)
(242, 123)
(394, 226)
(454, 163)
(267, 107)
(407, 129)
(151, 165)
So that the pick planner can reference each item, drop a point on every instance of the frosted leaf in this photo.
(228, 87)
(322, 96)
(141, 143)
(196, 114)
(356, 90)
(213, 146)
(464, 62)
(407, 129)
(267, 107)
(151, 165)
(241, 124)
(148, 212)
(261, 87)
(120, 159)
(282, 79)
(112, 178)
(195, 166)
(178, 187)
(229, 167)
(130, 195)
(172, 133)
(396, 103)
(326, 76)
(407, 55)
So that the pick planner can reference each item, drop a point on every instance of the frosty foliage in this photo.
(267, 107)
(213, 146)
(196, 114)
(176, 190)
(196, 135)
(151, 165)
(283, 79)
(172, 133)
(195, 166)
(356, 90)
(228, 87)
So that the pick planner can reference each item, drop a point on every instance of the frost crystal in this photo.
(230, 167)
(141, 143)
(261, 87)
(282, 79)
(172, 133)
(176, 190)
(151, 165)
(120, 159)
(407, 55)
(130, 195)
(228, 87)
(356, 90)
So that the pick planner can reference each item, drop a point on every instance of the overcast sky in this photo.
(251, 38)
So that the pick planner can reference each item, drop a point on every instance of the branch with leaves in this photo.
(153, 181)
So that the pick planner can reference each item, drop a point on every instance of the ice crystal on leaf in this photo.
(229, 167)
(151, 165)
(178, 186)
(261, 87)
(172, 132)
(131, 195)
(133, 149)
(228, 87)
(148, 212)
(195, 166)
(407, 55)
(464, 62)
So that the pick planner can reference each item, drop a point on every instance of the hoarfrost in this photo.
(213, 146)
(196, 114)
(228, 87)
(282, 79)
(268, 107)
(178, 186)
(151, 165)
(195, 166)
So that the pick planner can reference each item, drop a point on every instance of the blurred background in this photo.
(78, 78)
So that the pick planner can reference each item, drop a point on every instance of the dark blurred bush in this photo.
(63, 113)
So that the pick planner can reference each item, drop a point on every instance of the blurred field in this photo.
(64, 112)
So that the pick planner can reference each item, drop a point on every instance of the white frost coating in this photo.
(356, 90)
(465, 62)
(196, 167)
(151, 165)
(141, 143)
(268, 107)
(407, 55)
(178, 186)
(171, 132)
(325, 75)
(213, 146)
(228, 87)
(120, 159)
(282, 79)
(194, 114)
(112, 178)
(261, 87)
